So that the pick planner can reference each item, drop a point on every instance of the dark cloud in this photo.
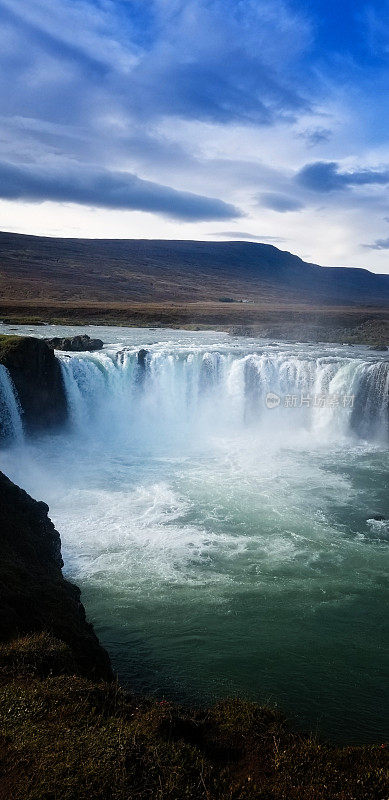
(279, 202)
(324, 177)
(119, 190)
(379, 244)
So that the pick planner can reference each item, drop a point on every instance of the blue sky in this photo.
(200, 119)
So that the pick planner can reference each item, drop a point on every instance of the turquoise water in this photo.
(223, 548)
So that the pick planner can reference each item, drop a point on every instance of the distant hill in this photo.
(142, 270)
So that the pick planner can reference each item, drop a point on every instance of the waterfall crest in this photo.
(212, 390)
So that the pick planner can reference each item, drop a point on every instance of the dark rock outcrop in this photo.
(34, 596)
(75, 344)
(141, 358)
(37, 377)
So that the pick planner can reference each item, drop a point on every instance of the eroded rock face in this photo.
(75, 344)
(37, 377)
(34, 596)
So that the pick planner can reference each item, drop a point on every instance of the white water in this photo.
(11, 427)
(200, 394)
(224, 547)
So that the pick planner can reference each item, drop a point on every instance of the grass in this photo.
(293, 321)
(63, 737)
(8, 343)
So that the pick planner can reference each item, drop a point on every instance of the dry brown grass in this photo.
(295, 321)
(63, 737)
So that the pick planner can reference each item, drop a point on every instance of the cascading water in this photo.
(11, 427)
(370, 413)
(208, 391)
(223, 505)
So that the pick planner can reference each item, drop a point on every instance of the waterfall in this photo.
(213, 489)
(206, 392)
(200, 393)
(370, 413)
(11, 428)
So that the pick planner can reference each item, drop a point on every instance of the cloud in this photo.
(279, 202)
(96, 82)
(195, 59)
(246, 235)
(119, 190)
(379, 244)
(316, 136)
(325, 177)
(217, 62)
(182, 101)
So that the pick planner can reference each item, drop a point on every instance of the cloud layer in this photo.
(167, 115)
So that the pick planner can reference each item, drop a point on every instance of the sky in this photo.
(199, 119)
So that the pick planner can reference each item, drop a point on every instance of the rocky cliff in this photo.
(37, 377)
(34, 596)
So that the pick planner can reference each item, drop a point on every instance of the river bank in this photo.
(292, 322)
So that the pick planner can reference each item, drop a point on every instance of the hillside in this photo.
(148, 271)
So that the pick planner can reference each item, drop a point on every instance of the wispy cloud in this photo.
(279, 202)
(237, 235)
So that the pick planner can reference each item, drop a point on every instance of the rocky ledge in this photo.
(37, 377)
(75, 344)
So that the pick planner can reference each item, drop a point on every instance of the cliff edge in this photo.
(34, 595)
(37, 377)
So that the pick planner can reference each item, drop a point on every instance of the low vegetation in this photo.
(64, 737)
(291, 322)
(8, 344)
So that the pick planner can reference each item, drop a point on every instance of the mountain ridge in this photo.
(159, 270)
